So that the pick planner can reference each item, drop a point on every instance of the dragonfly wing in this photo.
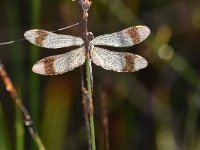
(59, 64)
(125, 38)
(117, 61)
(48, 39)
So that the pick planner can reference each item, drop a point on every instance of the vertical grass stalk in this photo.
(85, 4)
(85, 98)
(34, 80)
(89, 87)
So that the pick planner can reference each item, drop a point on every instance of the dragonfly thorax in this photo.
(87, 41)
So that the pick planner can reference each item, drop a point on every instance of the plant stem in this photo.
(19, 130)
(38, 142)
(85, 4)
(89, 86)
(34, 54)
(85, 108)
(25, 114)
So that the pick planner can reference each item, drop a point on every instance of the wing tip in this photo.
(140, 63)
(144, 31)
(38, 68)
(29, 33)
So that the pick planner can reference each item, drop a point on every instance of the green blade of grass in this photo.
(34, 79)
(91, 117)
(19, 130)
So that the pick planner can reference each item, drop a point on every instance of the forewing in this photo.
(117, 61)
(59, 64)
(48, 39)
(125, 38)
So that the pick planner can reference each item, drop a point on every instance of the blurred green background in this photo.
(156, 108)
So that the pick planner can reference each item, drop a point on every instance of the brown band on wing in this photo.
(134, 34)
(129, 63)
(41, 36)
(48, 65)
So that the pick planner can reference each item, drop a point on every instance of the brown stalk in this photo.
(26, 117)
(104, 119)
(87, 94)
(85, 101)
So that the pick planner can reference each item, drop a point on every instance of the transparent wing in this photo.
(117, 61)
(48, 39)
(59, 64)
(125, 38)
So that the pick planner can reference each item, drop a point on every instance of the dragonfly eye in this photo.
(90, 36)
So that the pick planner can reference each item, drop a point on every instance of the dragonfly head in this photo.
(90, 36)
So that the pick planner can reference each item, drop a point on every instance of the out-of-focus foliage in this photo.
(156, 108)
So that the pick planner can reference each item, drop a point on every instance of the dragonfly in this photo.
(107, 59)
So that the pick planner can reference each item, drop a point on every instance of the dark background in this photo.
(156, 108)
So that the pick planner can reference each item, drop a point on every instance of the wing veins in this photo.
(58, 64)
(112, 56)
(117, 61)
(52, 40)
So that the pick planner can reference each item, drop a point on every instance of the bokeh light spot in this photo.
(179, 63)
(196, 18)
(165, 52)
